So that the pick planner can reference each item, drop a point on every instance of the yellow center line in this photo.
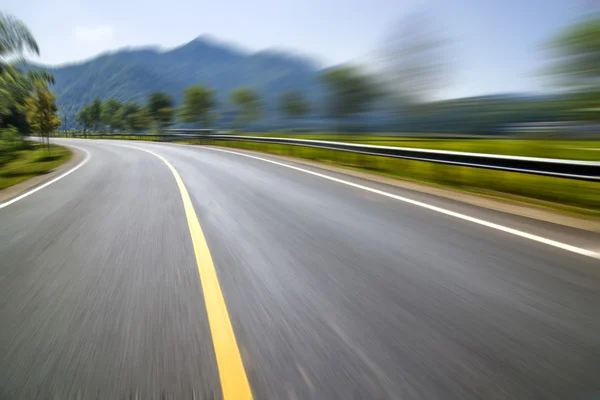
(234, 382)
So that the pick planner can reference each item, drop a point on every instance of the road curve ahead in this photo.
(327, 290)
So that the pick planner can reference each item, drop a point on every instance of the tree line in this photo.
(407, 82)
(198, 107)
(351, 92)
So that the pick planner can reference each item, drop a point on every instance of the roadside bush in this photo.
(10, 143)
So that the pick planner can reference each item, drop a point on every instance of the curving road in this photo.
(333, 291)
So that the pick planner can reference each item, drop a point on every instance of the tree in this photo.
(95, 113)
(14, 89)
(125, 114)
(15, 39)
(141, 120)
(350, 92)
(134, 117)
(160, 107)
(84, 118)
(40, 110)
(164, 116)
(247, 103)
(415, 60)
(110, 112)
(16, 84)
(575, 66)
(293, 105)
(197, 105)
(576, 56)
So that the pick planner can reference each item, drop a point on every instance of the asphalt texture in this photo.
(333, 292)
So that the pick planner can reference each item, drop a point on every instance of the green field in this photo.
(34, 161)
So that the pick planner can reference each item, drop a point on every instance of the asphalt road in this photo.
(333, 292)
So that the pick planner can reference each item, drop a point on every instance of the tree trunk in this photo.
(46, 141)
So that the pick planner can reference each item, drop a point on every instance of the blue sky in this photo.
(495, 44)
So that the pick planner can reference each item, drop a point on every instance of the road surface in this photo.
(332, 291)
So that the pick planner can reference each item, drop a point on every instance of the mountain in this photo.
(132, 74)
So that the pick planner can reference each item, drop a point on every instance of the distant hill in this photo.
(132, 74)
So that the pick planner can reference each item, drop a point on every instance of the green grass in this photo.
(557, 194)
(550, 148)
(32, 162)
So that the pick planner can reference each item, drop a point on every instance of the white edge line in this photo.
(431, 151)
(440, 210)
(516, 232)
(32, 191)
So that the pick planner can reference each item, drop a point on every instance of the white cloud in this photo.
(93, 33)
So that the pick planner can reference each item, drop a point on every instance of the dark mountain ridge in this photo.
(131, 74)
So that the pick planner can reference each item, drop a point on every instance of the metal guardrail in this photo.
(571, 169)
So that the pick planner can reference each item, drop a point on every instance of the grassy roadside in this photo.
(554, 148)
(556, 194)
(27, 163)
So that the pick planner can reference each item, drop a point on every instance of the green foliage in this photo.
(15, 86)
(134, 117)
(95, 113)
(160, 106)
(127, 115)
(164, 116)
(25, 99)
(576, 67)
(141, 121)
(15, 38)
(40, 110)
(197, 105)
(110, 113)
(10, 143)
(39, 75)
(16, 119)
(10, 135)
(350, 91)
(91, 117)
(577, 56)
(248, 104)
(83, 117)
(293, 105)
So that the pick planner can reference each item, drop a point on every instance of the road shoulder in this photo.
(480, 200)
(16, 190)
